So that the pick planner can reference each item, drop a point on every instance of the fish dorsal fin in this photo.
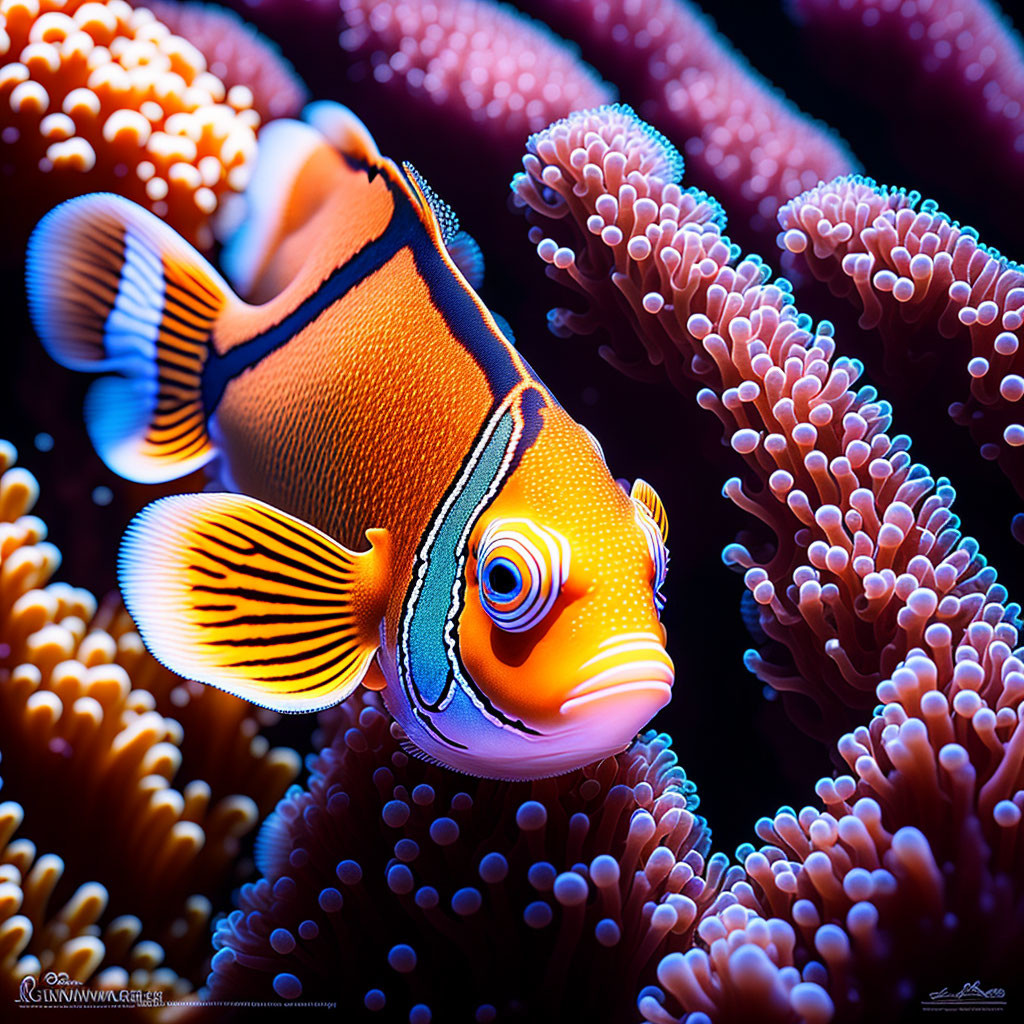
(430, 202)
(296, 171)
(233, 592)
(343, 130)
(443, 221)
(467, 256)
(506, 328)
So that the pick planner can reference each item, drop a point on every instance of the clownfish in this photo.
(406, 505)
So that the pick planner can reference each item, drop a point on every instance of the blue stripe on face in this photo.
(430, 669)
(424, 664)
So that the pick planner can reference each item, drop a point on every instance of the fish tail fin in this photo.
(237, 594)
(114, 290)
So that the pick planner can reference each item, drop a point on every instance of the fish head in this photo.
(560, 629)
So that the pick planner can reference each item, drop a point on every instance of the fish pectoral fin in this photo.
(233, 592)
(644, 494)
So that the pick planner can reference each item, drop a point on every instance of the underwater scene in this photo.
(512, 512)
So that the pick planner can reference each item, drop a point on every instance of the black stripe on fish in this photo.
(447, 292)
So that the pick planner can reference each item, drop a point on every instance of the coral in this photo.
(908, 879)
(393, 882)
(237, 54)
(935, 65)
(867, 552)
(36, 938)
(483, 62)
(742, 138)
(93, 732)
(911, 869)
(919, 276)
(103, 96)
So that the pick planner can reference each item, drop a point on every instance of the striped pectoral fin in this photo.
(235, 593)
(112, 289)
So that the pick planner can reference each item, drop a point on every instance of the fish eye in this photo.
(521, 567)
(653, 522)
(502, 579)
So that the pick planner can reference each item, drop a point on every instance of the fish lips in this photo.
(640, 684)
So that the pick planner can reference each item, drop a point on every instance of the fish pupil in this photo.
(501, 580)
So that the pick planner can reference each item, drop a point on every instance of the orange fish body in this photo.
(510, 590)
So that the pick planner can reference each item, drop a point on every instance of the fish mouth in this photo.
(632, 664)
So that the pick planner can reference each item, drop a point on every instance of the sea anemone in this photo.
(867, 552)
(92, 733)
(484, 63)
(101, 95)
(920, 276)
(911, 869)
(390, 882)
(742, 138)
(237, 54)
(908, 878)
(37, 938)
